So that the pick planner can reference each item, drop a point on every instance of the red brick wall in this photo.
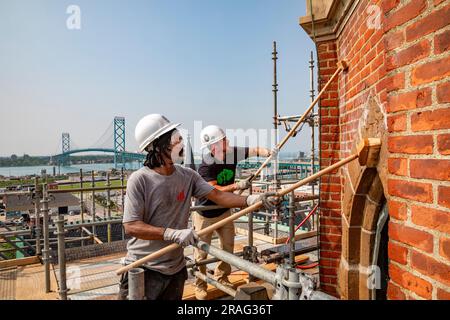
(330, 186)
(405, 66)
(418, 62)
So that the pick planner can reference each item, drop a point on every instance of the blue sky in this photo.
(205, 60)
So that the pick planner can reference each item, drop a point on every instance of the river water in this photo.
(23, 171)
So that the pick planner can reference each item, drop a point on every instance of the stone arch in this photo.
(362, 202)
(361, 210)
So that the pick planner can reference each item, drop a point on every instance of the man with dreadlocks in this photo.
(157, 204)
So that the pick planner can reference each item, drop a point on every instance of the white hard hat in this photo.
(151, 127)
(211, 135)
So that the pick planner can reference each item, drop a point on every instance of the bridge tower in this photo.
(65, 144)
(119, 140)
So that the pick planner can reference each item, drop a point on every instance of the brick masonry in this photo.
(397, 88)
(90, 251)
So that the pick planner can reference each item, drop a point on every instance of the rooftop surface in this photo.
(96, 279)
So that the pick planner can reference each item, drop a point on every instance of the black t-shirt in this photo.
(224, 172)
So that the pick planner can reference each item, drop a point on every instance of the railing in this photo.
(42, 196)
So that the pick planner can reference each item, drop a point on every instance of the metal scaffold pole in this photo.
(250, 221)
(37, 214)
(136, 289)
(122, 195)
(312, 122)
(81, 205)
(313, 128)
(46, 251)
(275, 126)
(93, 199)
(61, 257)
(291, 229)
(81, 197)
(251, 249)
(108, 204)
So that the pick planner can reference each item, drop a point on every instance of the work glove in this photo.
(243, 184)
(269, 199)
(183, 237)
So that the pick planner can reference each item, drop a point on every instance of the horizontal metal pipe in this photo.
(266, 214)
(75, 190)
(259, 228)
(216, 284)
(254, 228)
(88, 181)
(255, 222)
(289, 117)
(244, 265)
(191, 264)
(67, 239)
(7, 234)
(92, 223)
(16, 193)
(271, 183)
(66, 227)
(306, 198)
(13, 249)
(319, 295)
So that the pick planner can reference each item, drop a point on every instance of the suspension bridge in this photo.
(111, 141)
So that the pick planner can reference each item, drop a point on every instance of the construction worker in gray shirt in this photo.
(157, 207)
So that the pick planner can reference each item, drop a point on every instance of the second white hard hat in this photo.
(211, 135)
(151, 127)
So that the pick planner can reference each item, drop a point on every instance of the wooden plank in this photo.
(8, 283)
(19, 262)
(299, 236)
(30, 284)
(269, 239)
(92, 235)
(93, 260)
(237, 278)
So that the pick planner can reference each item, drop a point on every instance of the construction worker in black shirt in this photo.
(218, 168)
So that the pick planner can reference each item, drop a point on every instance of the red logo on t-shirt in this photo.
(181, 196)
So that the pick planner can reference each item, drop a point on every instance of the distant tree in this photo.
(13, 157)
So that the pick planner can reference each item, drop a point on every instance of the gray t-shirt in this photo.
(161, 201)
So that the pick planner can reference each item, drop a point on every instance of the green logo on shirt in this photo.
(225, 177)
